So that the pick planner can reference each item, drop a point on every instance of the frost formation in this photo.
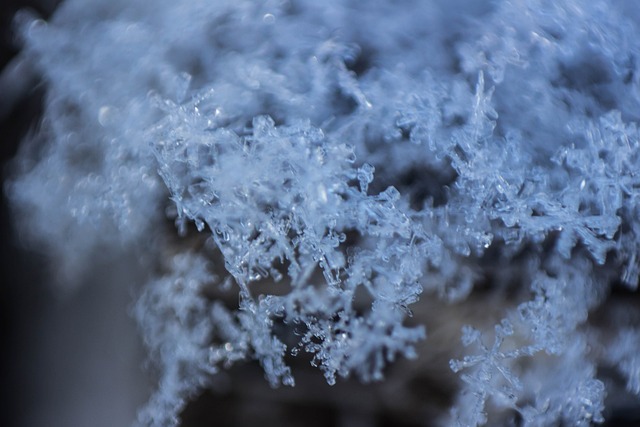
(336, 149)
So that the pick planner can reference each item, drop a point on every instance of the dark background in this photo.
(22, 293)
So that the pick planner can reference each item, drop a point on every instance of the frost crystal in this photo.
(342, 159)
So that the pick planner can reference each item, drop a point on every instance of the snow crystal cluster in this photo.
(344, 159)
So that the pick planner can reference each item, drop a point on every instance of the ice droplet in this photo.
(106, 115)
(268, 18)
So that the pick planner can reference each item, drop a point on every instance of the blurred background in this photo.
(65, 359)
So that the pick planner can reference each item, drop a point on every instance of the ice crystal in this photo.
(330, 150)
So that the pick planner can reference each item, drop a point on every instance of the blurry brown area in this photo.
(414, 393)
